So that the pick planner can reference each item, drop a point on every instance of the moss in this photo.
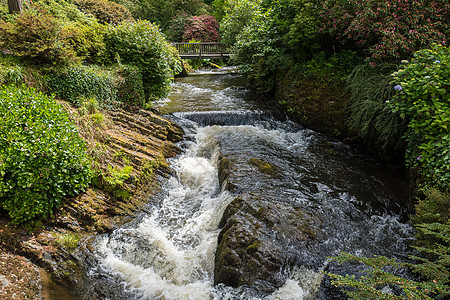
(253, 247)
(264, 167)
(316, 104)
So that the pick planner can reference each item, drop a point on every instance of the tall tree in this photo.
(15, 6)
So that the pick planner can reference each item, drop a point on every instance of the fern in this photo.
(380, 279)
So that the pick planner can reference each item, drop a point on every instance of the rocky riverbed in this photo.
(36, 256)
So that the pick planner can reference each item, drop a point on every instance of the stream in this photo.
(299, 197)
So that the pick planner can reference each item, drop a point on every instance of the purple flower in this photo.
(398, 87)
(419, 157)
(437, 61)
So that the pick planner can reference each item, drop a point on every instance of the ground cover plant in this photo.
(42, 157)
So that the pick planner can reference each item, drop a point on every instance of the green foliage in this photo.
(380, 280)
(11, 75)
(106, 12)
(69, 240)
(271, 36)
(177, 26)
(218, 9)
(238, 15)
(142, 44)
(130, 86)
(435, 260)
(42, 157)
(369, 115)
(434, 207)
(64, 11)
(161, 12)
(334, 67)
(38, 36)
(423, 98)
(83, 31)
(386, 30)
(109, 86)
(78, 82)
(116, 176)
(87, 41)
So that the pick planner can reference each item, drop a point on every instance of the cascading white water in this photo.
(169, 253)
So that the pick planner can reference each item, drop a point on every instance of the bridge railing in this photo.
(201, 49)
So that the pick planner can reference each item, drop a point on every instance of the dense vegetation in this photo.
(90, 53)
(42, 156)
(390, 55)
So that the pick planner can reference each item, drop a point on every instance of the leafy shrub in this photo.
(202, 28)
(87, 41)
(433, 208)
(387, 30)
(423, 98)
(42, 156)
(37, 36)
(106, 12)
(177, 27)
(238, 14)
(142, 44)
(130, 87)
(162, 12)
(271, 36)
(77, 82)
(63, 10)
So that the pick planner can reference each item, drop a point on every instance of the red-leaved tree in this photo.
(203, 28)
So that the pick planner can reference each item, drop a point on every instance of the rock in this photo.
(255, 240)
(133, 137)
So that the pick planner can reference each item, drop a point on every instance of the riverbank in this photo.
(128, 137)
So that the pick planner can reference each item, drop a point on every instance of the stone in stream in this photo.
(259, 235)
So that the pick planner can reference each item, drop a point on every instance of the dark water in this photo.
(169, 252)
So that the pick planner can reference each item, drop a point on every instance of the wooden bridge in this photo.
(202, 50)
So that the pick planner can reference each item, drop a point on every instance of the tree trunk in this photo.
(15, 6)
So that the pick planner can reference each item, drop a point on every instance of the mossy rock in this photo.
(265, 167)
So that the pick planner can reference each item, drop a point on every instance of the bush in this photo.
(423, 98)
(106, 12)
(162, 12)
(63, 11)
(202, 28)
(141, 44)
(78, 82)
(87, 41)
(177, 27)
(129, 86)
(119, 83)
(11, 75)
(383, 277)
(42, 156)
(386, 30)
(37, 36)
